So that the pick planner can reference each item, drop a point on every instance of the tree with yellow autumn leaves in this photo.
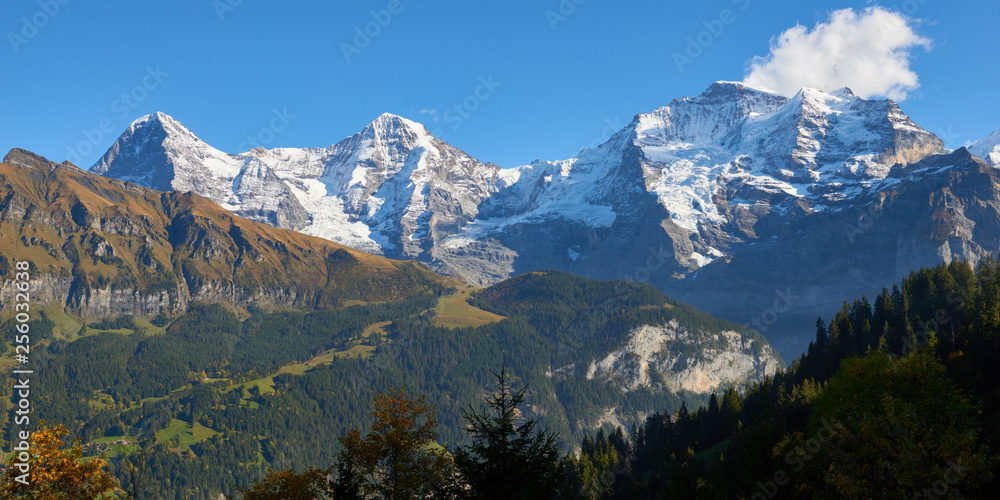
(395, 459)
(56, 473)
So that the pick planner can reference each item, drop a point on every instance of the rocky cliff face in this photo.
(619, 350)
(103, 247)
(678, 358)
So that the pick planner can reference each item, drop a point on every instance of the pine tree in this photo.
(507, 460)
(350, 480)
(822, 340)
(883, 312)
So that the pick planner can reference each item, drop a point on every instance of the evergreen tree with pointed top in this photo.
(505, 459)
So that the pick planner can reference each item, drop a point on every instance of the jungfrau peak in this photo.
(703, 169)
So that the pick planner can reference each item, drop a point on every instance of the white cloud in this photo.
(868, 52)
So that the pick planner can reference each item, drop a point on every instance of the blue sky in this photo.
(539, 79)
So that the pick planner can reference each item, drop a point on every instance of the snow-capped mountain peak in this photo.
(157, 151)
(380, 150)
(709, 117)
(161, 119)
(815, 145)
(382, 183)
(988, 148)
(390, 125)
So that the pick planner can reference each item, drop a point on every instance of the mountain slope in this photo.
(227, 395)
(174, 159)
(631, 336)
(943, 208)
(103, 247)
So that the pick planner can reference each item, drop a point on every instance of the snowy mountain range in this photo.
(701, 184)
(388, 189)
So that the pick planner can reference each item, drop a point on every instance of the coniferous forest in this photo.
(218, 396)
(896, 397)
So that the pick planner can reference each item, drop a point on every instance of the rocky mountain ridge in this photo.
(103, 247)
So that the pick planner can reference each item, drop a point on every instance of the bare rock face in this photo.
(675, 358)
(682, 359)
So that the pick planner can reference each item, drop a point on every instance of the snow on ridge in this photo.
(828, 138)
(690, 149)
(988, 148)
